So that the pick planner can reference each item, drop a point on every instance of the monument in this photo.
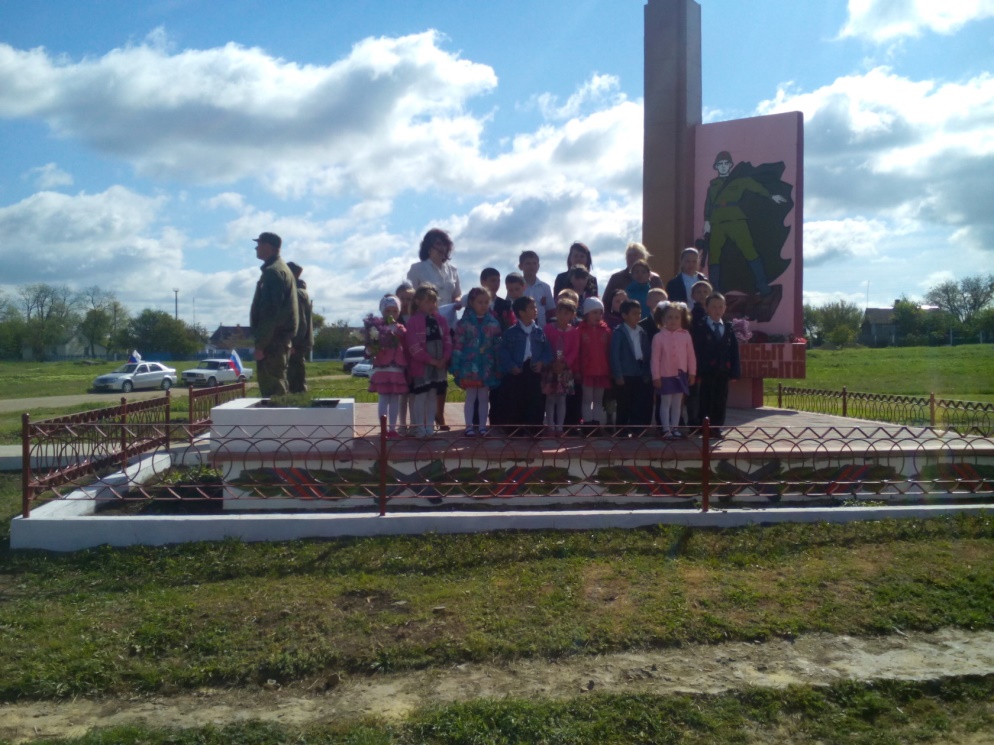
(732, 189)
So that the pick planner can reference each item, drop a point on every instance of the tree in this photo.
(909, 320)
(812, 324)
(95, 328)
(118, 328)
(839, 322)
(331, 340)
(12, 329)
(157, 332)
(965, 299)
(50, 313)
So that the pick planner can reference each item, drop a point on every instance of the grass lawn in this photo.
(956, 710)
(965, 372)
(150, 619)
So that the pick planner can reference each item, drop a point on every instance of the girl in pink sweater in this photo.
(673, 363)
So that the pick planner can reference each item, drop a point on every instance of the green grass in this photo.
(148, 619)
(949, 372)
(958, 709)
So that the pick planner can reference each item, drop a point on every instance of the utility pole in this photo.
(176, 303)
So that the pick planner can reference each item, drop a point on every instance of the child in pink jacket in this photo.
(429, 347)
(674, 365)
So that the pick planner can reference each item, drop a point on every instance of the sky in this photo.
(147, 143)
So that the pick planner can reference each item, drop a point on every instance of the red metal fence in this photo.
(361, 469)
(82, 446)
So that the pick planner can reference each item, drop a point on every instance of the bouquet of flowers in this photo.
(378, 333)
(740, 327)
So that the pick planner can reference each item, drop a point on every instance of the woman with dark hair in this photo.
(435, 267)
(436, 270)
(578, 254)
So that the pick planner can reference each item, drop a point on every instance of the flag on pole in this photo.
(135, 357)
(236, 362)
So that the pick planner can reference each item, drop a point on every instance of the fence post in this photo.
(931, 409)
(779, 395)
(124, 434)
(25, 465)
(189, 415)
(383, 466)
(845, 401)
(706, 464)
(169, 407)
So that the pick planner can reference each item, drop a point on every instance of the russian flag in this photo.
(236, 362)
(135, 357)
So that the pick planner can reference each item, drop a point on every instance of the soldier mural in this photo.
(744, 232)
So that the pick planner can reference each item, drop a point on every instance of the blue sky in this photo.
(147, 143)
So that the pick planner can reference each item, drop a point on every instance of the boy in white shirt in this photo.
(536, 289)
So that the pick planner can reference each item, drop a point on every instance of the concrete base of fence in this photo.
(57, 532)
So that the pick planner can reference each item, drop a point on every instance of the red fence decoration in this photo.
(202, 400)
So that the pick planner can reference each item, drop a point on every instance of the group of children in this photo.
(523, 374)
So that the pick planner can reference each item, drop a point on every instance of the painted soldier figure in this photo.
(731, 219)
(274, 316)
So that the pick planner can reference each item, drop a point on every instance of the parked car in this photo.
(353, 356)
(134, 375)
(362, 369)
(215, 372)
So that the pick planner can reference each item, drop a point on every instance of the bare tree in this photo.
(51, 314)
(963, 299)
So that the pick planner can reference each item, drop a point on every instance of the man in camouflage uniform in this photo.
(296, 372)
(274, 316)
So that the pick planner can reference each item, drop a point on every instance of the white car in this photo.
(134, 375)
(362, 369)
(353, 356)
(215, 372)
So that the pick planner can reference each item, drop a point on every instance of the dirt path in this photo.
(812, 660)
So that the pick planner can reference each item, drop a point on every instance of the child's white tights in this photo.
(555, 412)
(669, 411)
(423, 412)
(593, 405)
(389, 407)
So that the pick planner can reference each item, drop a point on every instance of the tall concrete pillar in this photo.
(673, 105)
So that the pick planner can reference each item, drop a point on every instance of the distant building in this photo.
(226, 338)
(878, 327)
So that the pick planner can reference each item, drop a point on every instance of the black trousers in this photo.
(714, 398)
(634, 402)
(522, 399)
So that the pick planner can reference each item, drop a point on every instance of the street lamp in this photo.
(176, 303)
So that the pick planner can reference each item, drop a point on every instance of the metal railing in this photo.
(83, 445)
(363, 469)
(964, 417)
(202, 400)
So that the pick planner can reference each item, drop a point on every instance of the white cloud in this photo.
(827, 241)
(917, 153)
(48, 176)
(818, 299)
(51, 236)
(377, 121)
(599, 92)
(887, 20)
